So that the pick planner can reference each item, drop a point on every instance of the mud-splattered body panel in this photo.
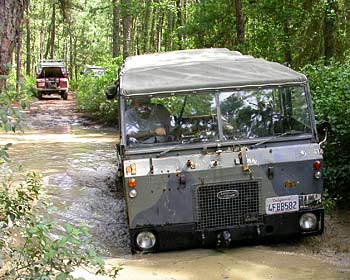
(167, 186)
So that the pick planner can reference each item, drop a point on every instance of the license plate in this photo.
(282, 204)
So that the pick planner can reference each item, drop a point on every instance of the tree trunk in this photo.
(116, 29)
(71, 54)
(28, 43)
(42, 32)
(19, 60)
(146, 26)
(179, 22)
(75, 60)
(169, 41)
(53, 31)
(160, 30)
(286, 43)
(240, 24)
(329, 28)
(126, 28)
(11, 15)
(153, 29)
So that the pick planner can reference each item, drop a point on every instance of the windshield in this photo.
(244, 114)
(264, 112)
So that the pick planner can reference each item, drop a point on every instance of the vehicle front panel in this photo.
(169, 188)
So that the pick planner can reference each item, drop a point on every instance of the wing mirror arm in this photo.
(325, 137)
(323, 128)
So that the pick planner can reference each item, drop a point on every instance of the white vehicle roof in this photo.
(201, 70)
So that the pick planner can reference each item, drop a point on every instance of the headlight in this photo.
(132, 193)
(318, 174)
(145, 240)
(308, 221)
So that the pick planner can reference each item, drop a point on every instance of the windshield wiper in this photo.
(168, 150)
(192, 140)
(290, 132)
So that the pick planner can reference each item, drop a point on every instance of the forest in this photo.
(311, 36)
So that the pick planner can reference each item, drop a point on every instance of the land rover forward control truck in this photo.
(239, 159)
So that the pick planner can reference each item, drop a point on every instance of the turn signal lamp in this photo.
(132, 183)
(317, 165)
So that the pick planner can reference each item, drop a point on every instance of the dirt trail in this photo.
(321, 257)
(52, 111)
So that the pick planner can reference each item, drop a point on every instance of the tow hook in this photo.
(224, 238)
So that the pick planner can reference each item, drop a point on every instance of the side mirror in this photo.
(111, 92)
(322, 129)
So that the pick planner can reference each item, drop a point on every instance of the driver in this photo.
(146, 122)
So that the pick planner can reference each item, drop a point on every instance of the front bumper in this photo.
(181, 236)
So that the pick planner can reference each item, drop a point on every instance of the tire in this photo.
(39, 95)
(65, 95)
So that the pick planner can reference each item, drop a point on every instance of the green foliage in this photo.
(218, 33)
(12, 103)
(330, 88)
(31, 248)
(91, 96)
(328, 202)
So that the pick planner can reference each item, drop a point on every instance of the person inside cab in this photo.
(146, 122)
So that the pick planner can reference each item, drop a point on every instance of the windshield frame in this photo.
(184, 146)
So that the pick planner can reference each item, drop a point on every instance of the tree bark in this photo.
(170, 24)
(11, 15)
(179, 22)
(240, 23)
(116, 29)
(329, 29)
(53, 31)
(153, 29)
(286, 43)
(126, 28)
(160, 30)
(42, 32)
(19, 60)
(71, 54)
(145, 32)
(28, 43)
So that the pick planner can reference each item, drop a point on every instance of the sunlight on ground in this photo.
(236, 263)
(68, 137)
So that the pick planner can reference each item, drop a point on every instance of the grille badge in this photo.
(227, 194)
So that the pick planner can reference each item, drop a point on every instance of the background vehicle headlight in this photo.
(145, 240)
(308, 221)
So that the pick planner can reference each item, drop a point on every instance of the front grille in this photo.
(227, 204)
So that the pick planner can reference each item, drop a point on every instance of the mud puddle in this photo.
(78, 169)
(76, 158)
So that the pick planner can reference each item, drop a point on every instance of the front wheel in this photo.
(65, 95)
(39, 95)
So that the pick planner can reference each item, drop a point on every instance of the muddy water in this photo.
(78, 168)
